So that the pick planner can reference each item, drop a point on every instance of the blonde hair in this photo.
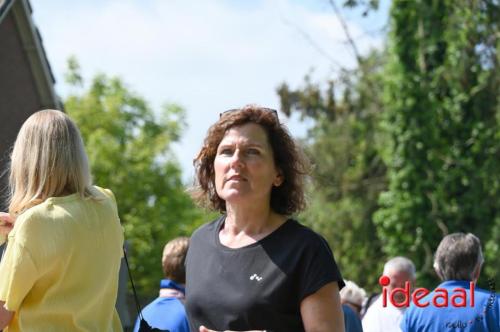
(174, 256)
(48, 159)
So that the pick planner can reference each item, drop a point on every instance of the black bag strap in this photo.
(143, 325)
(136, 299)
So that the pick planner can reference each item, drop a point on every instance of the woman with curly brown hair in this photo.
(255, 268)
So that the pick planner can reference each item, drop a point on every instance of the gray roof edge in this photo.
(35, 52)
(4, 8)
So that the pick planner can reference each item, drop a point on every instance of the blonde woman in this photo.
(60, 268)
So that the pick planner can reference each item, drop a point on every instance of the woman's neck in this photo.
(244, 226)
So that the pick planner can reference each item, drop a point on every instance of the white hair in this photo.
(352, 293)
(402, 264)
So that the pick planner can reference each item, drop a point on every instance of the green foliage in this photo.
(408, 151)
(349, 172)
(367, 5)
(73, 76)
(441, 93)
(129, 152)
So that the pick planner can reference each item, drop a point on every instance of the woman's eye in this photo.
(226, 151)
(253, 151)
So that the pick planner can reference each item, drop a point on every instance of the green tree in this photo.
(129, 151)
(344, 145)
(441, 93)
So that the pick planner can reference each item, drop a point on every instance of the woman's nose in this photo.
(236, 159)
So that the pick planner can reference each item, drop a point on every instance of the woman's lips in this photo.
(236, 178)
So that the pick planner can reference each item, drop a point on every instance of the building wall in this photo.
(18, 94)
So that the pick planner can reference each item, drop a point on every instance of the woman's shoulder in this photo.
(300, 238)
(207, 228)
(294, 228)
(34, 213)
(100, 192)
(45, 210)
(31, 222)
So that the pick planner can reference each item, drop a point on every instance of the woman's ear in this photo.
(279, 179)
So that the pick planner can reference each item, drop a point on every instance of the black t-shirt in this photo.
(259, 286)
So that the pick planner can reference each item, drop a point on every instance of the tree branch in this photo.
(311, 42)
(346, 31)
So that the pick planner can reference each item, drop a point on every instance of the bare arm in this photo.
(322, 311)
(5, 316)
(6, 224)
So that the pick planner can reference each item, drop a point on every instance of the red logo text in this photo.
(440, 298)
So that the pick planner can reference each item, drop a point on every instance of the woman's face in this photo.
(244, 165)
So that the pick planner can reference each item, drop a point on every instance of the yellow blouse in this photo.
(60, 268)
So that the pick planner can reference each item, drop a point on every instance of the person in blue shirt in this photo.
(351, 319)
(456, 304)
(352, 297)
(167, 312)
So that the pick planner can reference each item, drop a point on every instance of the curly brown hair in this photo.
(286, 199)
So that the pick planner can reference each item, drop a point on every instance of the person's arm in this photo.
(322, 311)
(6, 224)
(5, 227)
(5, 316)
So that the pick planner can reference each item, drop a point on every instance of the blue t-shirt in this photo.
(482, 317)
(351, 320)
(166, 313)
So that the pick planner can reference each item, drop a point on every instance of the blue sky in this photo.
(207, 56)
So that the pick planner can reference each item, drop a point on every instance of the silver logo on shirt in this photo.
(255, 277)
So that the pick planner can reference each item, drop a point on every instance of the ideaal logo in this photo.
(440, 298)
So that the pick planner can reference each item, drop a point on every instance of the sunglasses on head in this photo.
(270, 110)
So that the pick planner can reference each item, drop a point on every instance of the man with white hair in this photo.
(382, 315)
(456, 304)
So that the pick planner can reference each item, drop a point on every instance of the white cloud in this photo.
(205, 55)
